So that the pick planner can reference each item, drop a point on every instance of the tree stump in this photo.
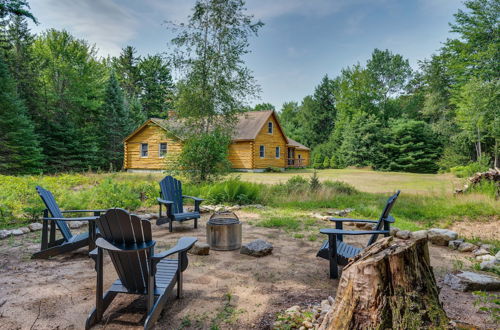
(390, 285)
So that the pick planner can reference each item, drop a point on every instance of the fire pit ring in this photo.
(224, 231)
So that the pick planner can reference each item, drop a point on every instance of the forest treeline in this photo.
(64, 108)
(385, 114)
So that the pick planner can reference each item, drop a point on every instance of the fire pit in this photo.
(224, 231)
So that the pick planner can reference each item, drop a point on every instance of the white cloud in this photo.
(104, 22)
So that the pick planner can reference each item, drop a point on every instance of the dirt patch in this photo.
(488, 230)
(225, 288)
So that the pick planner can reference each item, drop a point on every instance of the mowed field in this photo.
(370, 181)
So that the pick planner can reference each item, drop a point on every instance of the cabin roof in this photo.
(247, 127)
(297, 145)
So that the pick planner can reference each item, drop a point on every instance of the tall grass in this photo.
(20, 204)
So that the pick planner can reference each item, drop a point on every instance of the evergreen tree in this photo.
(19, 147)
(412, 147)
(156, 86)
(127, 71)
(264, 106)
(361, 143)
(115, 124)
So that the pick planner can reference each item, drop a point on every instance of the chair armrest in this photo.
(92, 218)
(163, 201)
(331, 231)
(82, 211)
(183, 244)
(390, 219)
(196, 199)
(352, 220)
(93, 253)
(106, 245)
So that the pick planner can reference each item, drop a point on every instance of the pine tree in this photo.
(115, 124)
(19, 147)
(413, 147)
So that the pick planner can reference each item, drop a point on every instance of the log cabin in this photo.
(258, 142)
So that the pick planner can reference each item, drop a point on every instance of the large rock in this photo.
(393, 231)
(481, 252)
(25, 230)
(419, 234)
(35, 226)
(485, 257)
(5, 233)
(466, 247)
(201, 249)
(75, 224)
(17, 232)
(492, 264)
(470, 281)
(257, 248)
(403, 234)
(441, 236)
(454, 244)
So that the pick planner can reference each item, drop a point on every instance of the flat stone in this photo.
(441, 236)
(466, 247)
(497, 255)
(201, 249)
(25, 230)
(75, 224)
(487, 247)
(454, 244)
(471, 281)
(257, 248)
(419, 234)
(393, 231)
(485, 257)
(5, 233)
(35, 226)
(493, 264)
(481, 252)
(403, 234)
(17, 232)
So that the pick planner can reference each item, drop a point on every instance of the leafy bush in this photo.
(272, 169)
(340, 187)
(471, 169)
(230, 191)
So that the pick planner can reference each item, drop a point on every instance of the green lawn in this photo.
(370, 181)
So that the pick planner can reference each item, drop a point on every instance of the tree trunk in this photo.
(390, 285)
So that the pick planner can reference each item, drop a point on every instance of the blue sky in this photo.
(302, 40)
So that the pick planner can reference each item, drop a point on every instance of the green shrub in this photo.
(470, 169)
(273, 169)
(326, 162)
(230, 191)
(340, 187)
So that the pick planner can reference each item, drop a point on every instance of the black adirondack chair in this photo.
(337, 252)
(171, 196)
(69, 242)
(129, 242)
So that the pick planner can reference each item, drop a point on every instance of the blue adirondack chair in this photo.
(337, 252)
(69, 242)
(171, 196)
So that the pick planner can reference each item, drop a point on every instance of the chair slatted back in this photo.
(385, 215)
(51, 205)
(119, 227)
(171, 189)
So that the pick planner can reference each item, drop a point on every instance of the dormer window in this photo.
(270, 127)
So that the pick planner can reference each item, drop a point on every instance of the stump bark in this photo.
(390, 285)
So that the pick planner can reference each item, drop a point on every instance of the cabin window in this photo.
(270, 127)
(278, 152)
(162, 150)
(144, 149)
(262, 151)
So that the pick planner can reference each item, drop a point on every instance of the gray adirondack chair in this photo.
(171, 196)
(69, 242)
(129, 242)
(337, 252)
